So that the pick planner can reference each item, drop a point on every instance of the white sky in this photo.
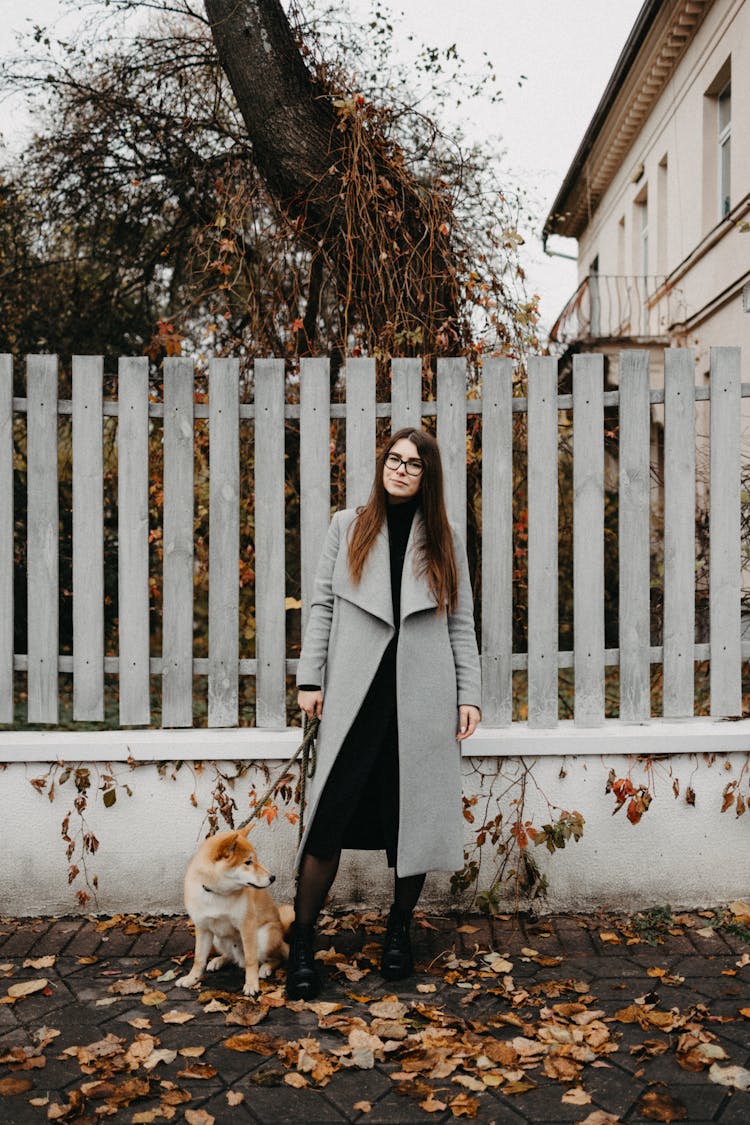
(567, 50)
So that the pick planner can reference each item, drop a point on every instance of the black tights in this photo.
(316, 877)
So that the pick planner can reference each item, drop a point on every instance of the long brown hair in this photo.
(436, 558)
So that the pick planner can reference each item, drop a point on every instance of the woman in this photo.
(391, 631)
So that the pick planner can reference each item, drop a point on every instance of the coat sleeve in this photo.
(314, 653)
(463, 635)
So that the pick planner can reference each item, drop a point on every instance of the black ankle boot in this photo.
(302, 980)
(397, 961)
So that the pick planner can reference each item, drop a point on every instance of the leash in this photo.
(307, 750)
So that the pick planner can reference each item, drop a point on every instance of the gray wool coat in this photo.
(437, 669)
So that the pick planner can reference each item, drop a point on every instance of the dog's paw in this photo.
(250, 990)
(265, 971)
(188, 981)
(216, 963)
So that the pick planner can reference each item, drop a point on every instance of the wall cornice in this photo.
(661, 35)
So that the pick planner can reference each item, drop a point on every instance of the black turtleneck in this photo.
(399, 518)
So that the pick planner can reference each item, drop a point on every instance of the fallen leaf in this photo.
(201, 1071)
(192, 1052)
(142, 1023)
(469, 1082)
(298, 1081)
(153, 999)
(216, 1006)
(27, 987)
(467, 929)
(600, 1117)
(464, 1106)
(177, 1016)
(609, 937)
(255, 1041)
(735, 1076)
(199, 1117)
(576, 1096)
(427, 988)
(11, 1086)
(363, 1107)
(389, 1008)
(235, 1097)
(657, 1105)
(432, 1105)
(40, 962)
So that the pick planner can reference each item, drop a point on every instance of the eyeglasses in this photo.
(413, 467)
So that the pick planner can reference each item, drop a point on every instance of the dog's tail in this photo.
(286, 914)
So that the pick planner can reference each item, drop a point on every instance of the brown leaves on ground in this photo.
(437, 1051)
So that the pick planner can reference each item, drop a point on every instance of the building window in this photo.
(717, 147)
(725, 148)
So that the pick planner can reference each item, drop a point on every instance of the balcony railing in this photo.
(608, 306)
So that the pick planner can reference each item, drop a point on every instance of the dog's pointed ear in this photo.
(227, 847)
(246, 830)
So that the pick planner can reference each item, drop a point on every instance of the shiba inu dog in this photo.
(233, 912)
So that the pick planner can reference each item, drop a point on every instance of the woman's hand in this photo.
(311, 702)
(468, 720)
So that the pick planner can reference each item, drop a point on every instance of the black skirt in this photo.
(358, 807)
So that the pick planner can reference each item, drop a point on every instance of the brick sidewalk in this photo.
(535, 1012)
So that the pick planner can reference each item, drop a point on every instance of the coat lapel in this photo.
(416, 594)
(373, 592)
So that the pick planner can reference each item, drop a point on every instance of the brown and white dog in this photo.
(227, 900)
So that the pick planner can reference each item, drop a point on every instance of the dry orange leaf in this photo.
(431, 1105)
(12, 1085)
(576, 1096)
(235, 1097)
(27, 987)
(40, 962)
(198, 1117)
(153, 999)
(608, 936)
(175, 1016)
(298, 1081)
(362, 1107)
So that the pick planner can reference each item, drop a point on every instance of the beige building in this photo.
(658, 194)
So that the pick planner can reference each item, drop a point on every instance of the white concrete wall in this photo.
(682, 855)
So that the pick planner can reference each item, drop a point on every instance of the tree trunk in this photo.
(291, 124)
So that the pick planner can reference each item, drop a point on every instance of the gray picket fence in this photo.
(39, 412)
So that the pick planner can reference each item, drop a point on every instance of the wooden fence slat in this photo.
(224, 543)
(451, 434)
(360, 430)
(6, 539)
(43, 539)
(88, 540)
(497, 542)
(588, 538)
(270, 571)
(679, 532)
(634, 537)
(725, 533)
(132, 535)
(177, 594)
(406, 394)
(315, 470)
(542, 541)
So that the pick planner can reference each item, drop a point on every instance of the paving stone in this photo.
(20, 942)
(735, 1109)
(283, 1105)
